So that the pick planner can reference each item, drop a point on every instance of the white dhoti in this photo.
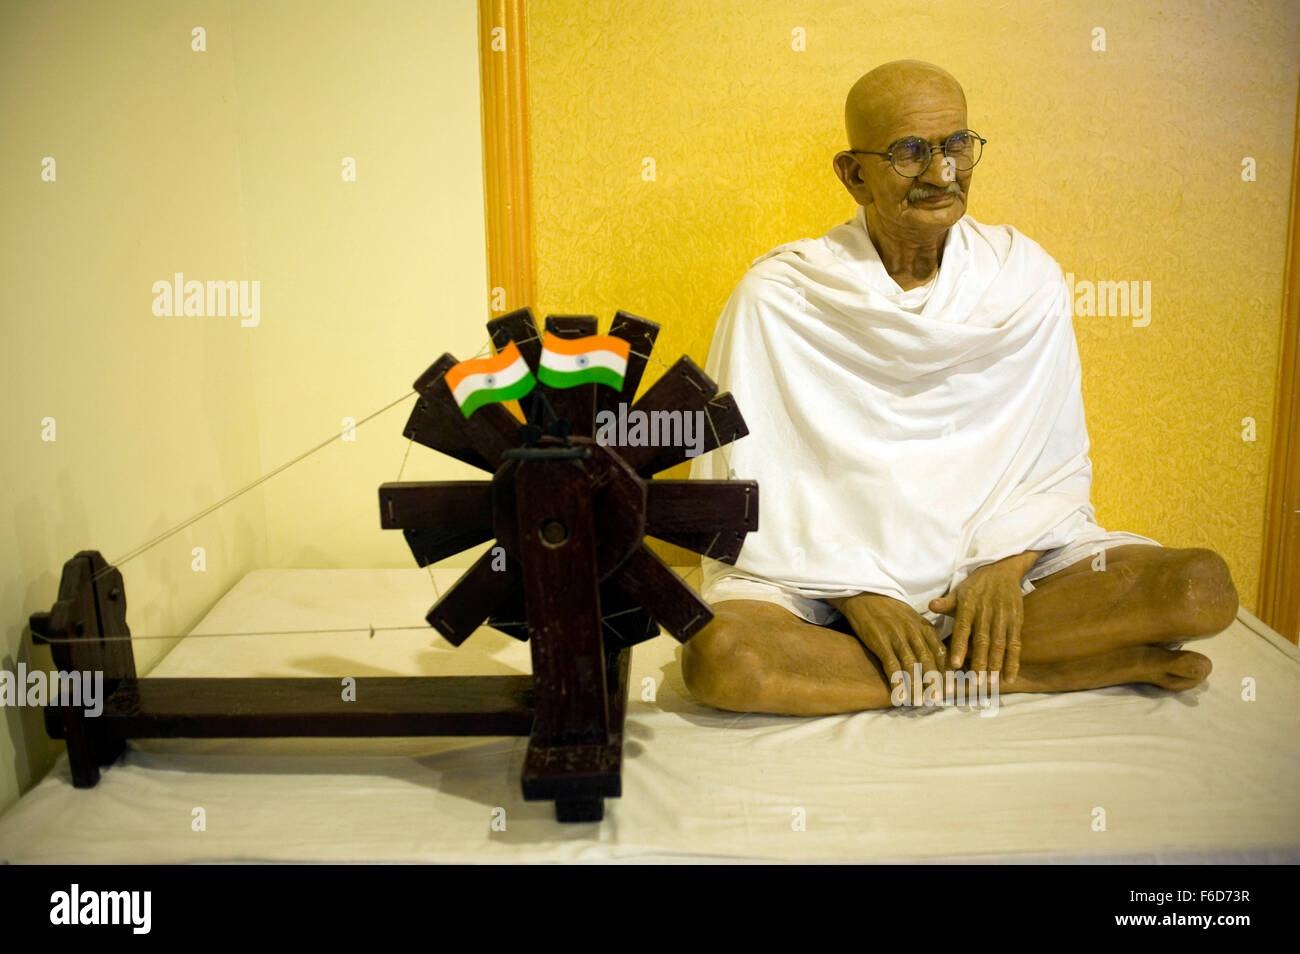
(902, 439)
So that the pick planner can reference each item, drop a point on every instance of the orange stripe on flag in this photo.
(498, 362)
(586, 345)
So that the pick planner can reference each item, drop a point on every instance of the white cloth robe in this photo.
(900, 439)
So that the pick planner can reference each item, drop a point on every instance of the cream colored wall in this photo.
(370, 281)
(1125, 164)
(223, 165)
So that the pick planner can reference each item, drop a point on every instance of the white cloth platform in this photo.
(1195, 777)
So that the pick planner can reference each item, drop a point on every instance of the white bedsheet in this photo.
(1200, 776)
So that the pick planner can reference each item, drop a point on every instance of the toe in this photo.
(1188, 669)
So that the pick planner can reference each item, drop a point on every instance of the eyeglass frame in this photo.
(929, 156)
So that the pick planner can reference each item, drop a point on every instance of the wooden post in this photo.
(503, 68)
(1279, 596)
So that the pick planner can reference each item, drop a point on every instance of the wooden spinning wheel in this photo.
(570, 568)
(569, 571)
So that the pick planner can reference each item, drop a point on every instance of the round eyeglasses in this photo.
(911, 156)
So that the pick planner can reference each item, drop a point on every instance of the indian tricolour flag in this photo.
(503, 377)
(568, 362)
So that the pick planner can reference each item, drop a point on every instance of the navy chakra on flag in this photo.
(593, 359)
(479, 381)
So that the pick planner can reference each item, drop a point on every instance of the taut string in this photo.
(239, 493)
(265, 477)
(371, 630)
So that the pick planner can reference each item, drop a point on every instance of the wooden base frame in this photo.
(92, 606)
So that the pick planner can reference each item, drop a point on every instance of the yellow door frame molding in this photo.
(507, 185)
(1279, 582)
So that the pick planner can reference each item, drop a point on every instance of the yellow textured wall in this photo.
(1125, 164)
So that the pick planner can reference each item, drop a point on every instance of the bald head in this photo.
(880, 99)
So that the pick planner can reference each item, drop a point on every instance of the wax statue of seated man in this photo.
(912, 389)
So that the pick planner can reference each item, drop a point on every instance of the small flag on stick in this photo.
(503, 377)
(568, 362)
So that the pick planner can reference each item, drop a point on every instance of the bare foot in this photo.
(1169, 669)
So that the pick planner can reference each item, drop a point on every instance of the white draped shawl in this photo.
(900, 439)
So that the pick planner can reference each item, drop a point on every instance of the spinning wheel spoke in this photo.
(640, 334)
(521, 328)
(649, 581)
(577, 404)
(515, 629)
(437, 423)
(684, 389)
(439, 518)
(722, 425)
(510, 616)
(476, 595)
(708, 516)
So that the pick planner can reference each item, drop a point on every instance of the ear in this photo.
(849, 171)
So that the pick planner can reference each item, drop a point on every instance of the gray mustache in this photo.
(926, 191)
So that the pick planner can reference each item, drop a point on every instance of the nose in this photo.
(937, 174)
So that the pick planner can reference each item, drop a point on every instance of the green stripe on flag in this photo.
(571, 379)
(494, 395)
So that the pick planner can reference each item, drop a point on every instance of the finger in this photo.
(980, 639)
(905, 653)
(943, 604)
(880, 645)
(961, 634)
(897, 673)
(1011, 668)
(923, 652)
(998, 638)
(936, 646)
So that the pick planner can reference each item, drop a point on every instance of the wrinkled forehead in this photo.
(931, 112)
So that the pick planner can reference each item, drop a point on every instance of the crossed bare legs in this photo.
(1083, 629)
